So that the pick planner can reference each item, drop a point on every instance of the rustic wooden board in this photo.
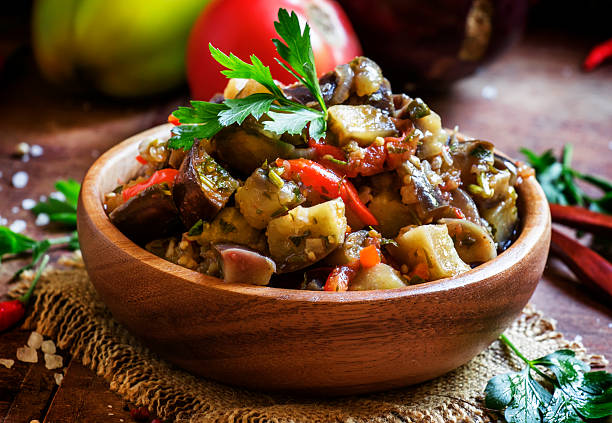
(541, 100)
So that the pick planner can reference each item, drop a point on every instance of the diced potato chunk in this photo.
(381, 276)
(472, 242)
(260, 199)
(391, 214)
(434, 135)
(429, 244)
(306, 235)
(231, 227)
(362, 123)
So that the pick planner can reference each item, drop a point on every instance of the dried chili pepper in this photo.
(597, 55)
(13, 311)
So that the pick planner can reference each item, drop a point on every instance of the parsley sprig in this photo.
(558, 180)
(204, 119)
(575, 395)
(62, 211)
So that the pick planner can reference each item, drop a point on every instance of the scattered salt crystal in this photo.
(25, 158)
(18, 226)
(27, 355)
(578, 338)
(58, 196)
(109, 406)
(58, 378)
(610, 325)
(15, 209)
(3, 221)
(36, 150)
(48, 347)
(7, 362)
(22, 148)
(53, 361)
(35, 340)
(20, 179)
(28, 204)
(489, 92)
(42, 198)
(42, 219)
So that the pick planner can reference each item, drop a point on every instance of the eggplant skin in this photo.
(149, 215)
(202, 187)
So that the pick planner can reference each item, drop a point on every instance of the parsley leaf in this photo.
(13, 242)
(558, 180)
(294, 119)
(61, 211)
(297, 52)
(204, 119)
(578, 394)
(237, 68)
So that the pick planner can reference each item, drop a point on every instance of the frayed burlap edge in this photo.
(68, 310)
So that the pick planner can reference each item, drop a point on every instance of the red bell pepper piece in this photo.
(340, 278)
(173, 120)
(141, 160)
(326, 182)
(164, 175)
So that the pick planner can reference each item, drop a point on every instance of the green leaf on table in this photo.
(61, 211)
(12, 243)
(522, 397)
(70, 188)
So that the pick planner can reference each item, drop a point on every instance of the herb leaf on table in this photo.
(558, 180)
(577, 393)
(61, 211)
(280, 114)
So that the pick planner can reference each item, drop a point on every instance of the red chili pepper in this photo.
(161, 176)
(13, 311)
(340, 278)
(173, 120)
(597, 55)
(326, 182)
(141, 160)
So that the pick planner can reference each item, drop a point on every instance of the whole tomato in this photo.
(246, 27)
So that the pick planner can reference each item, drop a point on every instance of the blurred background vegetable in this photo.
(429, 44)
(120, 48)
(245, 27)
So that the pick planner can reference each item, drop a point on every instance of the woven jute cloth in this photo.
(68, 310)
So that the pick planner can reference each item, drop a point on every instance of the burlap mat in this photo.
(68, 310)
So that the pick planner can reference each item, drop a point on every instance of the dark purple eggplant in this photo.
(241, 265)
(202, 187)
(432, 43)
(151, 214)
(429, 198)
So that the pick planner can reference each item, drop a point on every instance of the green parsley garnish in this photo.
(558, 180)
(62, 211)
(204, 119)
(575, 394)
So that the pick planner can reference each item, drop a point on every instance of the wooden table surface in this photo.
(533, 96)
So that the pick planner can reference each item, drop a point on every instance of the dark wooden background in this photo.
(535, 96)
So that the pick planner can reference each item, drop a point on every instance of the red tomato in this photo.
(246, 27)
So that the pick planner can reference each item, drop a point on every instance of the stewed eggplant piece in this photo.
(362, 123)
(242, 265)
(419, 191)
(202, 187)
(150, 214)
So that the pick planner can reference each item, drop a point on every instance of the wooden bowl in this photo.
(302, 341)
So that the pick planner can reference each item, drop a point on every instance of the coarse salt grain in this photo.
(36, 150)
(48, 347)
(35, 340)
(27, 355)
(3, 221)
(18, 226)
(42, 198)
(22, 148)
(53, 361)
(56, 195)
(7, 362)
(28, 204)
(42, 219)
(15, 209)
(20, 179)
(489, 92)
(58, 378)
